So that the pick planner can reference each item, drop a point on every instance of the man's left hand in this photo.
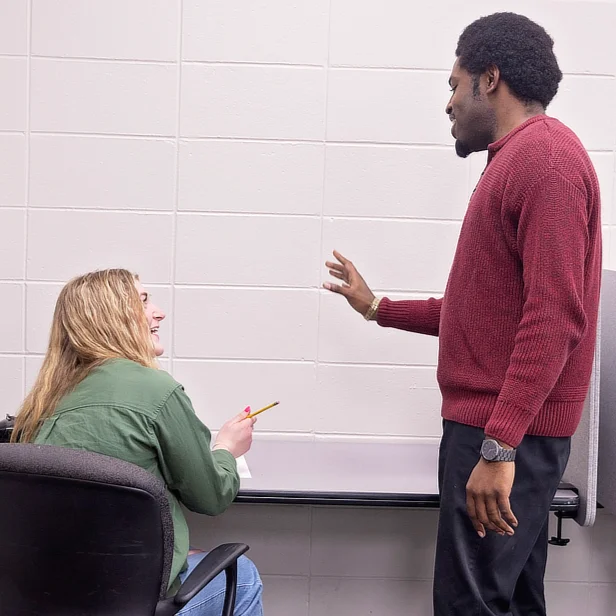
(487, 497)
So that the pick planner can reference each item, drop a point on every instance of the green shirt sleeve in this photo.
(205, 481)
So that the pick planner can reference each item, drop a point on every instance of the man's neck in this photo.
(514, 115)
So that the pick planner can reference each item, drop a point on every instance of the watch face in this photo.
(489, 449)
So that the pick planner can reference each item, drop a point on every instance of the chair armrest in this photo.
(6, 427)
(217, 561)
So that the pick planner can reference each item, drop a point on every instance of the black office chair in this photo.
(6, 428)
(82, 534)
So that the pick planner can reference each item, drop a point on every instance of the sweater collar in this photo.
(493, 148)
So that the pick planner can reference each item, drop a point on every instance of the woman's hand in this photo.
(236, 435)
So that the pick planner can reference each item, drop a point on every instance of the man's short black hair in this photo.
(521, 49)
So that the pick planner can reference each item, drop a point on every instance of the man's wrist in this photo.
(372, 311)
(493, 451)
(503, 444)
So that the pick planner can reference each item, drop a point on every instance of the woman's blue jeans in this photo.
(210, 600)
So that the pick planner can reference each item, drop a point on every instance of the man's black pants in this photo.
(494, 576)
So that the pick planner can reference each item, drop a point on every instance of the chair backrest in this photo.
(80, 533)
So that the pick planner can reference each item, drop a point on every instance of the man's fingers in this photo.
(334, 266)
(494, 515)
(336, 275)
(472, 514)
(340, 258)
(504, 507)
(336, 288)
(482, 515)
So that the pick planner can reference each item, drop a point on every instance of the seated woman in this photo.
(99, 389)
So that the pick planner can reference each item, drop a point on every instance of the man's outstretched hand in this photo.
(353, 286)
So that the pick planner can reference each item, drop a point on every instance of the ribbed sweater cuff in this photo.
(421, 316)
(508, 423)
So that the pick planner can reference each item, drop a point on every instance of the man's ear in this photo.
(492, 79)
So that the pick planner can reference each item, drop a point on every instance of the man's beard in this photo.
(462, 150)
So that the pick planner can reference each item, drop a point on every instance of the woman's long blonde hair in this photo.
(98, 316)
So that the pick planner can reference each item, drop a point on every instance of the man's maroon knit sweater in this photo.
(517, 323)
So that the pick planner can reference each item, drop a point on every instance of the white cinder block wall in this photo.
(222, 149)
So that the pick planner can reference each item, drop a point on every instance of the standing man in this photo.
(517, 322)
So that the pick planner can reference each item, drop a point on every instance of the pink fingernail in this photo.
(247, 409)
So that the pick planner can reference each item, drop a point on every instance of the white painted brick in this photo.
(284, 595)
(609, 239)
(576, 96)
(394, 255)
(568, 598)
(248, 250)
(103, 97)
(391, 33)
(12, 321)
(344, 336)
(580, 31)
(263, 31)
(395, 181)
(388, 106)
(354, 596)
(12, 169)
(102, 172)
(11, 369)
(114, 29)
(396, 543)
(601, 596)
(245, 324)
(14, 27)
(603, 558)
(12, 243)
(220, 390)
(429, 39)
(604, 166)
(40, 305)
(165, 364)
(84, 241)
(378, 400)
(574, 568)
(279, 537)
(33, 365)
(236, 176)
(13, 77)
(607, 246)
(270, 102)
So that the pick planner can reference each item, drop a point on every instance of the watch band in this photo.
(505, 455)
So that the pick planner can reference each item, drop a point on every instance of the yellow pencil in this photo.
(269, 406)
